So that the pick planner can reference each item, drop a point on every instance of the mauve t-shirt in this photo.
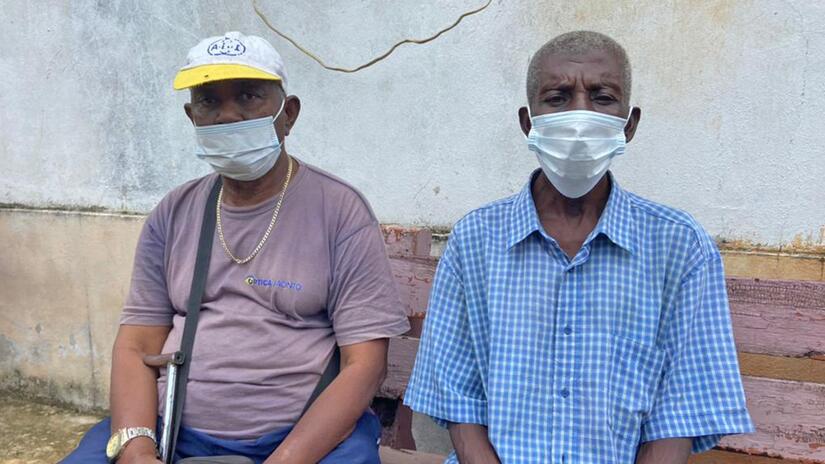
(267, 328)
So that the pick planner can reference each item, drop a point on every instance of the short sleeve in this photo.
(148, 300)
(445, 383)
(364, 301)
(700, 395)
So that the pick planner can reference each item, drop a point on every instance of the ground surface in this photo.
(33, 433)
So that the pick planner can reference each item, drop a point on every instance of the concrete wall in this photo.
(63, 279)
(732, 126)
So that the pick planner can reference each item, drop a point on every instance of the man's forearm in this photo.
(133, 397)
(667, 451)
(134, 394)
(472, 444)
(333, 416)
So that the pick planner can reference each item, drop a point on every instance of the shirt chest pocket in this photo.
(635, 372)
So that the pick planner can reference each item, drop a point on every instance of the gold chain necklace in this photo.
(268, 229)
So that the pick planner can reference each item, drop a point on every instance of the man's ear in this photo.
(292, 108)
(524, 120)
(632, 123)
(187, 108)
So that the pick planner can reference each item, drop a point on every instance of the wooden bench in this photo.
(779, 328)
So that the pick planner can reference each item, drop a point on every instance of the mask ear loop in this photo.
(530, 116)
(278, 114)
(629, 114)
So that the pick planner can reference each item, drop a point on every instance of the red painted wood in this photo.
(780, 318)
(400, 361)
(403, 456)
(414, 277)
(724, 457)
(789, 418)
(407, 242)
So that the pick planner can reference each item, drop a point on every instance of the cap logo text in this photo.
(226, 46)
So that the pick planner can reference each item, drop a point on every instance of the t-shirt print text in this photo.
(253, 281)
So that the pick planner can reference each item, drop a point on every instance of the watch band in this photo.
(123, 436)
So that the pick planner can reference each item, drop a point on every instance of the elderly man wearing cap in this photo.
(298, 267)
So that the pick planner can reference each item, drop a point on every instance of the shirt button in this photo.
(568, 330)
(565, 393)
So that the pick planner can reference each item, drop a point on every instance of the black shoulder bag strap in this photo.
(327, 377)
(193, 308)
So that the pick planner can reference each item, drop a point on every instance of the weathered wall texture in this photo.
(63, 280)
(732, 126)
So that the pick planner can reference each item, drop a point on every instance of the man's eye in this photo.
(604, 99)
(248, 96)
(554, 99)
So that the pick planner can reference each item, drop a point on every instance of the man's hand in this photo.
(668, 451)
(472, 444)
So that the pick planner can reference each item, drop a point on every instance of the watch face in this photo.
(113, 447)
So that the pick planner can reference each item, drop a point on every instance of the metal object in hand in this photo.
(165, 443)
(172, 361)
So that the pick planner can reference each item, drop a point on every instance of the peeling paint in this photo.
(799, 246)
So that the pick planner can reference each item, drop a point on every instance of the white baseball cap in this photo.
(231, 56)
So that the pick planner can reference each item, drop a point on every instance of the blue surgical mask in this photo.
(575, 148)
(244, 150)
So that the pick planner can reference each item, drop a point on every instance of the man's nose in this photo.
(581, 101)
(229, 112)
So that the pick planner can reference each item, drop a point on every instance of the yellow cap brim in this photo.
(200, 75)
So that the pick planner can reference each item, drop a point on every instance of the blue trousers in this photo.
(361, 447)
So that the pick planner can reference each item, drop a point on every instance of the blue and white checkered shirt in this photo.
(580, 360)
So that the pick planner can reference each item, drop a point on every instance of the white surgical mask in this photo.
(244, 150)
(575, 148)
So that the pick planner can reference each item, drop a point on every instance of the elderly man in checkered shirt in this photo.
(576, 322)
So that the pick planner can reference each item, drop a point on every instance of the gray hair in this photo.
(578, 43)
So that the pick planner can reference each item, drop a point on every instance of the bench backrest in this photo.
(779, 328)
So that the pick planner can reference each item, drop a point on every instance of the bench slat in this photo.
(724, 457)
(414, 278)
(789, 417)
(780, 318)
(392, 456)
(407, 242)
(400, 361)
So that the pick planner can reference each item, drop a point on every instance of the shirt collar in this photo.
(616, 222)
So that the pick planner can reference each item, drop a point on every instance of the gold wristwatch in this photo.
(119, 439)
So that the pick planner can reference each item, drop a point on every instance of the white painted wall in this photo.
(731, 92)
